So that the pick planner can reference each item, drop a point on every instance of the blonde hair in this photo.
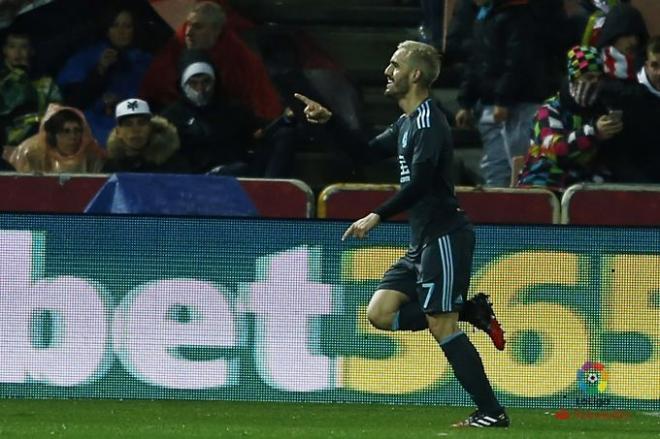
(423, 57)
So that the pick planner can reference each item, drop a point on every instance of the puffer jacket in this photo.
(161, 154)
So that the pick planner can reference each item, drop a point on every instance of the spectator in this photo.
(506, 80)
(569, 127)
(216, 133)
(634, 156)
(64, 144)
(24, 97)
(594, 23)
(459, 41)
(142, 142)
(241, 73)
(99, 76)
(622, 40)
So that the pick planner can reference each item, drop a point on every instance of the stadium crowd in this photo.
(552, 108)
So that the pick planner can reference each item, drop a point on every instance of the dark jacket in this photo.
(507, 63)
(459, 34)
(161, 154)
(216, 134)
(633, 156)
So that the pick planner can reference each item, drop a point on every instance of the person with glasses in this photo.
(64, 144)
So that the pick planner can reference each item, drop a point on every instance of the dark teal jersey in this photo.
(424, 147)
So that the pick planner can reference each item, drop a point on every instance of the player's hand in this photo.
(464, 118)
(314, 112)
(360, 228)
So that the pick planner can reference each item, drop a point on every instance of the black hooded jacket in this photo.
(508, 63)
(218, 133)
(622, 20)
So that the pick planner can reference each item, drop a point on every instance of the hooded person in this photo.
(64, 144)
(593, 26)
(142, 142)
(242, 75)
(634, 157)
(213, 132)
(622, 41)
(568, 128)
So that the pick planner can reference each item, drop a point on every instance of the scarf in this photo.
(617, 64)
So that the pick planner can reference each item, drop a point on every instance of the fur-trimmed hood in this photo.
(163, 143)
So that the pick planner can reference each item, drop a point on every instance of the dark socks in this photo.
(410, 318)
(469, 370)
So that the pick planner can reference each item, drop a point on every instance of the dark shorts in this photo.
(440, 278)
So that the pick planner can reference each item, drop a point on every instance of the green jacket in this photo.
(23, 102)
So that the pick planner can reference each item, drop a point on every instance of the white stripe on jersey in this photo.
(424, 116)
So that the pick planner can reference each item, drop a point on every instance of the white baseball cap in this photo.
(197, 68)
(132, 107)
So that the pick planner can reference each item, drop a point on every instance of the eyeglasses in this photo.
(70, 131)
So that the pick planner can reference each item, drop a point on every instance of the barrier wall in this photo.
(584, 204)
(483, 205)
(253, 309)
(273, 198)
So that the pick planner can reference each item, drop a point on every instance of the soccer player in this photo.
(431, 280)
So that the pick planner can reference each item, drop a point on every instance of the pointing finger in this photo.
(347, 233)
(304, 99)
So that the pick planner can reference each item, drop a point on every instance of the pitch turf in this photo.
(94, 419)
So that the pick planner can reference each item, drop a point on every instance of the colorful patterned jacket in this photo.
(563, 145)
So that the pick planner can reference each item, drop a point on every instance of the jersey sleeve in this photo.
(427, 144)
(385, 143)
(421, 180)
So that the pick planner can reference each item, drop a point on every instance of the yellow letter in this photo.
(629, 308)
(418, 362)
(562, 332)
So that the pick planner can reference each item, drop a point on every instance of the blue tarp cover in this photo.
(172, 194)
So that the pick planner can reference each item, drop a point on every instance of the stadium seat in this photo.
(611, 205)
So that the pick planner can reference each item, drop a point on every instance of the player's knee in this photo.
(378, 317)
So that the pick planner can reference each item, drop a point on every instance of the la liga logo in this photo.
(592, 378)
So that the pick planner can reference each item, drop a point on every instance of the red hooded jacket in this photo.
(242, 74)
